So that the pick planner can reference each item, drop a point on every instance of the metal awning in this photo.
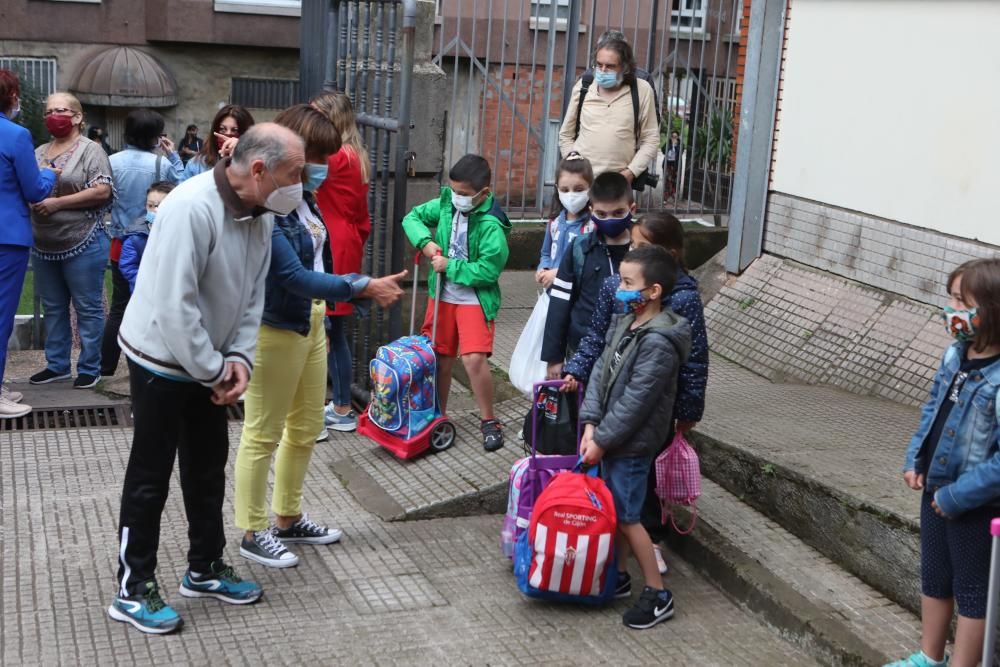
(121, 76)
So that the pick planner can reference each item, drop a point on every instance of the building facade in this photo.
(202, 54)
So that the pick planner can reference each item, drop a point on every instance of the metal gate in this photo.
(368, 52)
(510, 86)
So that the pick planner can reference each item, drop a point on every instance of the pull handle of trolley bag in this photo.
(538, 386)
(413, 304)
(990, 639)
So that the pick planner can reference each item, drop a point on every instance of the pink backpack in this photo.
(678, 480)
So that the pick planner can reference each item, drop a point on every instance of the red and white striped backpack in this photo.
(678, 481)
(568, 551)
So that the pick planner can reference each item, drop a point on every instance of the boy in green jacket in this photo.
(469, 250)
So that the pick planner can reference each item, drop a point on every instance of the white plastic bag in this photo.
(526, 365)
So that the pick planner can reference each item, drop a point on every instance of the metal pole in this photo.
(990, 640)
(572, 43)
(403, 155)
(546, 107)
(651, 48)
(330, 48)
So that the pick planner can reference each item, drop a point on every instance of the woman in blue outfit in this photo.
(21, 183)
(137, 166)
(71, 244)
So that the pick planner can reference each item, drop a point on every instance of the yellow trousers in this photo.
(283, 404)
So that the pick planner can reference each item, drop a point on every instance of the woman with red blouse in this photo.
(343, 201)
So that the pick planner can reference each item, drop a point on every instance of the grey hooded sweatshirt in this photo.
(631, 405)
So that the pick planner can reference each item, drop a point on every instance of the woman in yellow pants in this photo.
(284, 401)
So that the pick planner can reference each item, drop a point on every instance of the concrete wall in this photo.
(890, 110)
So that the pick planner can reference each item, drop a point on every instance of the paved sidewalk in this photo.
(392, 593)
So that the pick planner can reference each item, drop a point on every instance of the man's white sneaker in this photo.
(11, 410)
(12, 396)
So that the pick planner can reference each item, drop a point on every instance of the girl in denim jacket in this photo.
(954, 459)
(570, 216)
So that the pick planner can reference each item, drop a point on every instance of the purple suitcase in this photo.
(529, 476)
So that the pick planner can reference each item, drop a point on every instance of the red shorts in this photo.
(460, 328)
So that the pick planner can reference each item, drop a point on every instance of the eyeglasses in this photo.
(606, 68)
(62, 111)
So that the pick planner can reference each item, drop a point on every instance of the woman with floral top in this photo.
(71, 243)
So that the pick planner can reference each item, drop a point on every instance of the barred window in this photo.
(36, 73)
(264, 93)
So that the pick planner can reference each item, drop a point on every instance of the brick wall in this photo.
(516, 163)
(741, 68)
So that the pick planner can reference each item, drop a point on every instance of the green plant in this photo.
(715, 140)
(747, 302)
(768, 469)
(673, 123)
(32, 108)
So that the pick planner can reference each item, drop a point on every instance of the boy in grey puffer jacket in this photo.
(628, 411)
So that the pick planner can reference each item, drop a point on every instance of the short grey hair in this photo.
(262, 143)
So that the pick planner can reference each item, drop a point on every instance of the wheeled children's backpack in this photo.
(530, 475)
(678, 481)
(403, 377)
(568, 552)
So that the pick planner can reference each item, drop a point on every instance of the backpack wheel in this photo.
(442, 436)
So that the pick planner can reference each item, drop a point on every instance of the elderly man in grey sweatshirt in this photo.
(189, 333)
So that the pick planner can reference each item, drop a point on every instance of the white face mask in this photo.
(285, 199)
(462, 203)
(574, 202)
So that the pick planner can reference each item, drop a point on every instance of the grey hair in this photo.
(262, 143)
(616, 41)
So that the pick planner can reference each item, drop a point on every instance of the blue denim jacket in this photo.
(965, 472)
(134, 170)
(565, 232)
(291, 282)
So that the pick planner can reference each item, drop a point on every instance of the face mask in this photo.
(630, 300)
(606, 79)
(150, 216)
(574, 202)
(219, 141)
(315, 175)
(463, 203)
(961, 324)
(15, 112)
(285, 199)
(59, 126)
(613, 227)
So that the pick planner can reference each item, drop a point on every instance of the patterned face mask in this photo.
(630, 300)
(961, 324)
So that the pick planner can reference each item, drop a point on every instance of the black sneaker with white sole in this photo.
(86, 381)
(653, 607)
(306, 531)
(492, 434)
(266, 549)
(47, 376)
(623, 589)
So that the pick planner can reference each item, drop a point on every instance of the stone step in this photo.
(798, 453)
(832, 614)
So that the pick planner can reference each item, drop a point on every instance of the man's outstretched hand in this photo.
(384, 291)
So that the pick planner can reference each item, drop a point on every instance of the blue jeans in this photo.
(13, 266)
(339, 359)
(80, 279)
(626, 479)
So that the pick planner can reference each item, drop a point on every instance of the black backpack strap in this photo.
(585, 81)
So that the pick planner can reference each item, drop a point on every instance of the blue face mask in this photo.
(606, 79)
(613, 227)
(630, 300)
(314, 176)
(150, 216)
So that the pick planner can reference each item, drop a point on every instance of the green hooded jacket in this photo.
(488, 230)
